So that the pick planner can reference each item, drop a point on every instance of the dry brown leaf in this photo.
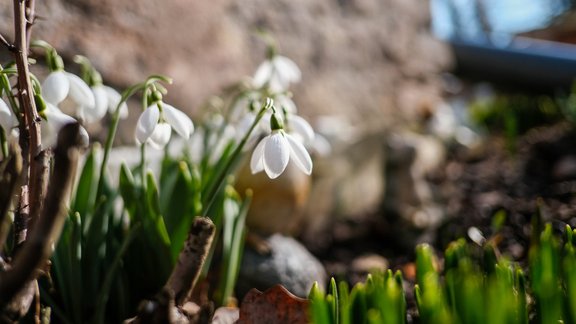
(276, 305)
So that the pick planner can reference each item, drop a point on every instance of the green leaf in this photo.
(358, 304)
(178, 208)
(104, 293)
(319, 311)
(336, 303)
(344, 300)
(128, 187)
(85, 197)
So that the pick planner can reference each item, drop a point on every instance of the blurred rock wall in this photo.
(368, 60)
(371, 63)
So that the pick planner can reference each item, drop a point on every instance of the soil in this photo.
(497, 188)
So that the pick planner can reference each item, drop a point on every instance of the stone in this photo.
(368, 263)
(288, 264)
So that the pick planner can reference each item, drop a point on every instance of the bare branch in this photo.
(30, 128)
(10, 171)
(8, 45)
(30, 18)
(38, 246)
(191, 259)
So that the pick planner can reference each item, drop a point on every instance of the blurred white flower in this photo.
(277, 73)
(286, 103)
(274, 151)
(114, 98)
(299, 127)
(7, 118)
(106, 100)
(60, 85)
(55, 120)
(156, 122)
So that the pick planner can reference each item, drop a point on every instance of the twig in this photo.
(8, 45)
(168, 306)
(10, 171)
(30, 129)
(40, 184)
(30, 18)
(191, 259)
(38, 246)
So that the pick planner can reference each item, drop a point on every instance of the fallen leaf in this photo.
(276, 305)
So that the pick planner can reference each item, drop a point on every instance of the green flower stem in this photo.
(220, 179)
(143, 164)
(7, 89)
(116, 118)
(3, 143)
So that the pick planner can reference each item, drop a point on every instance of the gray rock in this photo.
(288, 263)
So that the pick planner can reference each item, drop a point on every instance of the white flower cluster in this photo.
(155, 124)
(283, 134)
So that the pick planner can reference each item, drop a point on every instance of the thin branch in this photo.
(30, 18)
(191, 259)
(168, 305)
(10, 171)
(8, 45)
(38, 247)
(30, 129)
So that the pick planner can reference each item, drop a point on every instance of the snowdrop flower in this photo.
(113, 98)
(298, 126)
(55, 119)
(106, 100)
(286, 103)
(278, 72)
(7, 118)
(60, 85)
(155, 124)
(274, 151)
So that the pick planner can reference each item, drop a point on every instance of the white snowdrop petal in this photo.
(245, 123)
(80, 92)
(262, 74)
(256, 161)
(299, 155)
(286, 103)
(56, 118)
(181, 123)
(321, 145)
(277, 84)
(147, 123)
(55, 87)
(276, 155)
(7, 120)
(84, 137)
(160, 136)
(113, 99)
(287, 69)
(96, 112)
(301, 127)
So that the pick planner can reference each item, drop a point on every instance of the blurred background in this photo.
(422, 101)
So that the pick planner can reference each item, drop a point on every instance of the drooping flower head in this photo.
(7, 118)
(277, 72)
(274, 151)
(53, 121)
(106, 99)
(156, 122)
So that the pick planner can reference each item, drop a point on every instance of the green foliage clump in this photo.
(472, 288)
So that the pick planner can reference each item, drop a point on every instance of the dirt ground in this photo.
(496, 188)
